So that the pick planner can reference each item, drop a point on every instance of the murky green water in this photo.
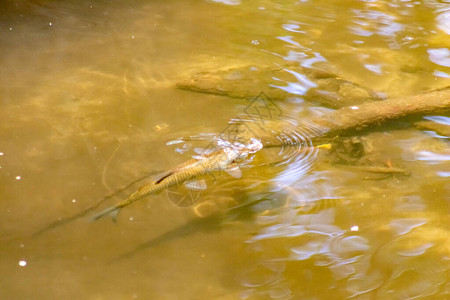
(87, 106)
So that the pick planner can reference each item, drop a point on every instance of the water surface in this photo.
(88, 104)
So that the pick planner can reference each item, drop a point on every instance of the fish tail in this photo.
(112, 211)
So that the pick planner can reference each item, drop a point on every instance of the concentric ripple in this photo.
(297, 152)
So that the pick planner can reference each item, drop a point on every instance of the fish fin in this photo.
(213, 177)
(114, 214)
(183, 196)
(199, 151)
(112, 211)
(196, 185)
(234, 171)
(162, 177)
(198, 157)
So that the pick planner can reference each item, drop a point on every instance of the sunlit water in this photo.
(88, 105)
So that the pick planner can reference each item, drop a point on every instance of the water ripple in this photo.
(298, 153)
(440, 56)
(402, 226)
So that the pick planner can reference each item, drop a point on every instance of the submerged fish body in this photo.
(221, 159)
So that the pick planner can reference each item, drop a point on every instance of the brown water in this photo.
(87, 106)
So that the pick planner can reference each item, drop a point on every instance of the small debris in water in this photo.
(18, 177)
(354, 228)
(22, 263)
(160, 127)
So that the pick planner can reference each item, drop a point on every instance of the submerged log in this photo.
(377, 112)
(354, 118)
(280, 83)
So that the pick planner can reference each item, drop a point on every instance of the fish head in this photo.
(241, 151)
(254, 146)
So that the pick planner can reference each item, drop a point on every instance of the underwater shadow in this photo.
(212, 222)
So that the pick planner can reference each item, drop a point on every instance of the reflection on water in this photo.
(88, 105)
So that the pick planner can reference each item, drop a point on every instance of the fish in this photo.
(225, 157)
